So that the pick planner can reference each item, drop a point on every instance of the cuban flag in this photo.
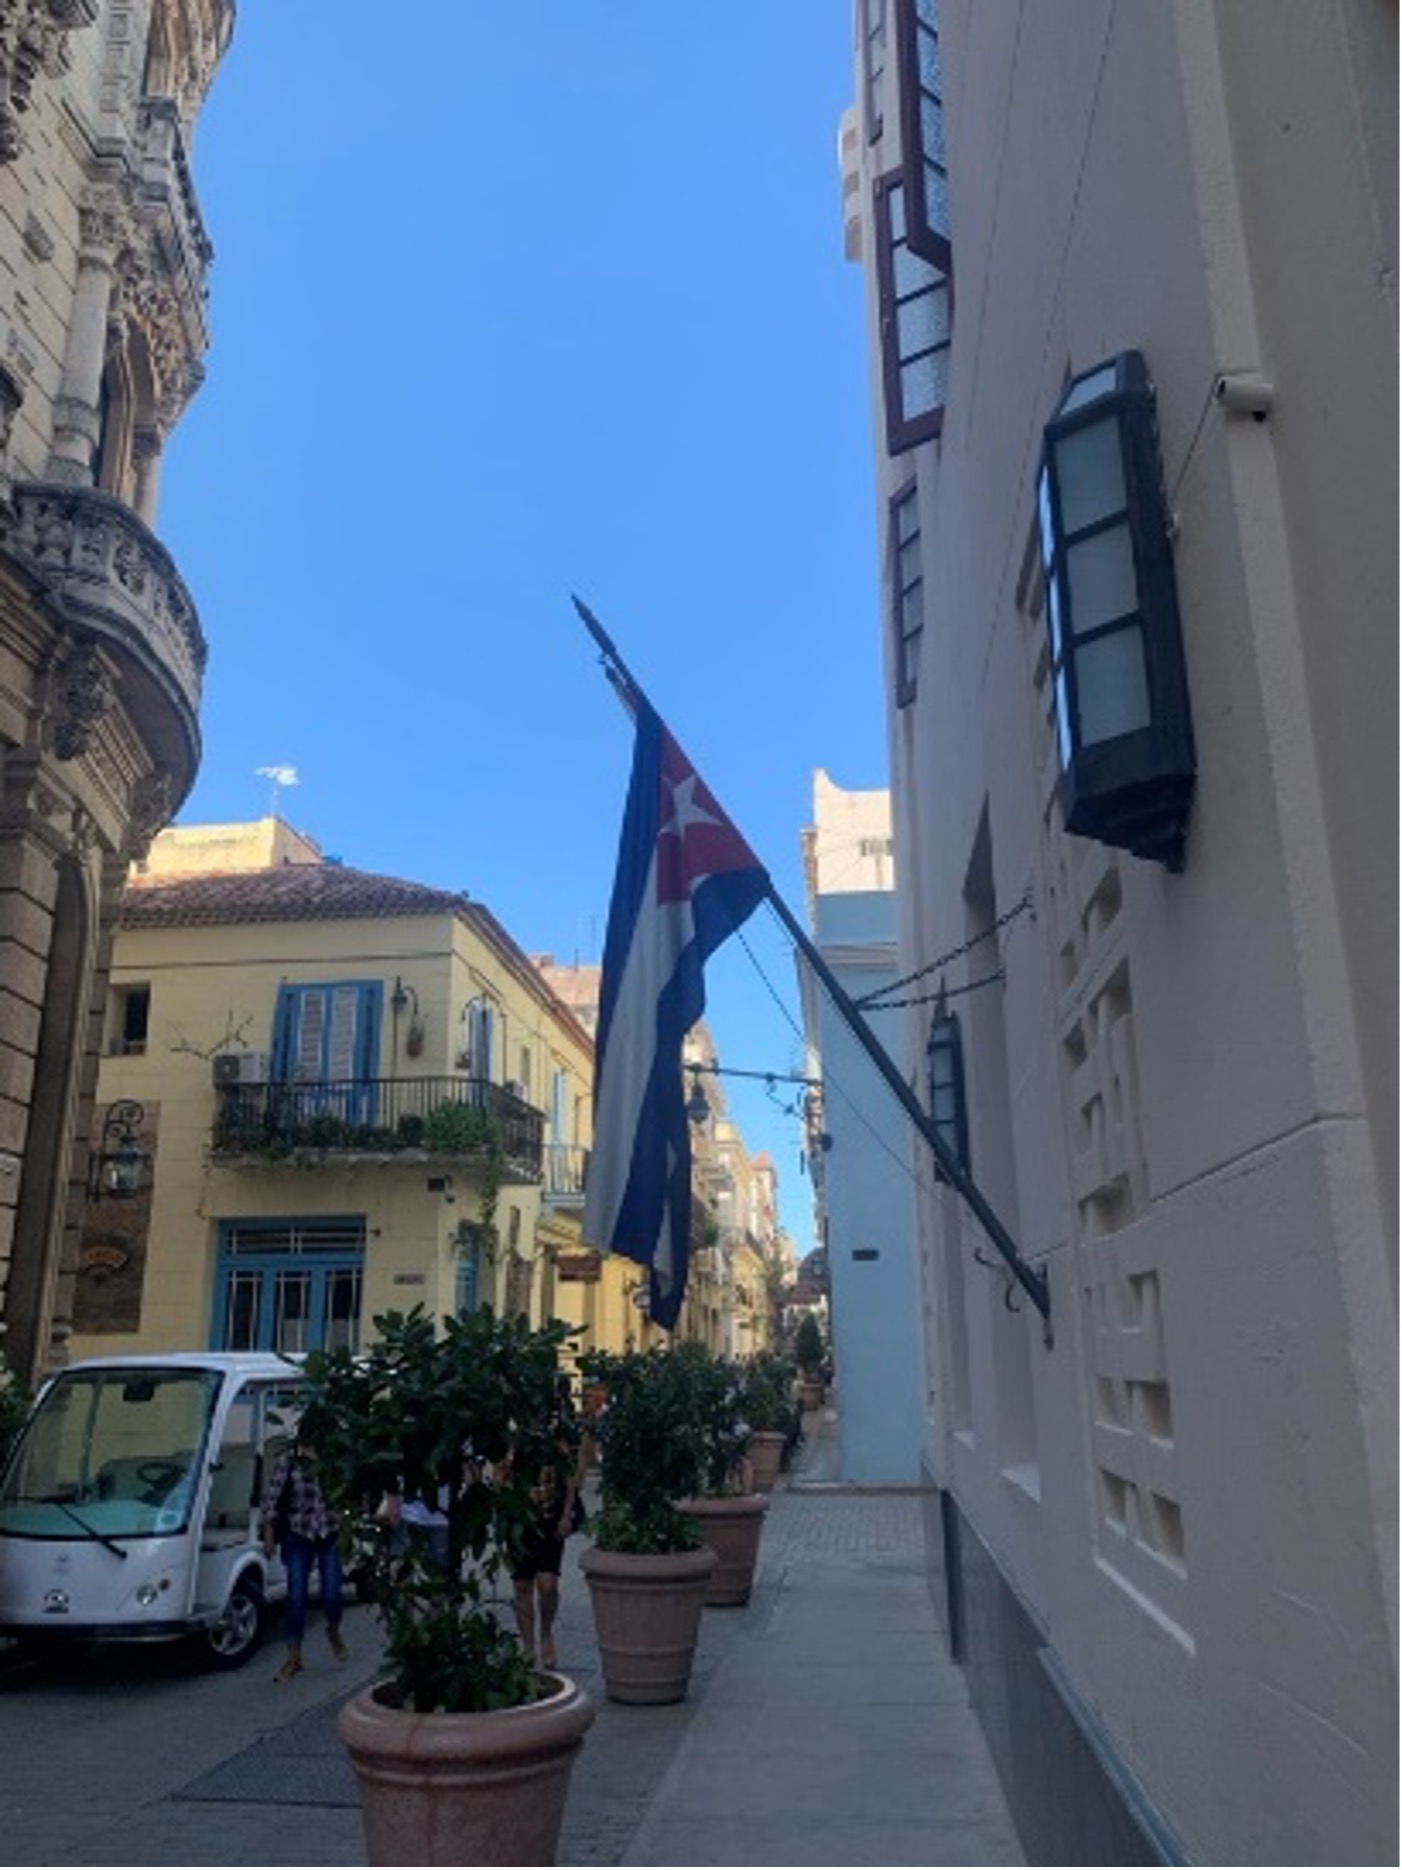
(686, 879)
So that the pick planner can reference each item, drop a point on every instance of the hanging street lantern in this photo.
(120, 1169)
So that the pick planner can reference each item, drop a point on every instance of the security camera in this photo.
(1244, 393)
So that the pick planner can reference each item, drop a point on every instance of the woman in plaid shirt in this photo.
(296, 1516)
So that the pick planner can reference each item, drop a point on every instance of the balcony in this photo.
(565, 1168)
(379, 1119)
(166, 183)
(109, 577)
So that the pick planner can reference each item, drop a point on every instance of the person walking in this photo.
(535, 1565)
(298, 1518)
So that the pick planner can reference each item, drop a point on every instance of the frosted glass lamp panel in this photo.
(1100, 572)
(1090, 475)
(1112, 691)
(1063, 722)
(1099, 383)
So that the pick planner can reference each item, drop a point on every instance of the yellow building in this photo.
(325, 1094)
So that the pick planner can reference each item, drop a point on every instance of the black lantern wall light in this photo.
(121, 1167)
(1123, 723)
(944, 1063)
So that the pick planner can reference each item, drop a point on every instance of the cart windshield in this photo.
(110, 1454)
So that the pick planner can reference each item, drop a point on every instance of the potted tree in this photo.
(770, 1411)
(808, 1350)
(728, 1509)
(463, 1753)
(648, 1568)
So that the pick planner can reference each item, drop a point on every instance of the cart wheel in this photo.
(230, 1642)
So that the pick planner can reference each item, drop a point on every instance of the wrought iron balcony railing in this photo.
(566, 1165)
(380, 1117)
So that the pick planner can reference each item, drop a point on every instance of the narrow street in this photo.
(823, 1726)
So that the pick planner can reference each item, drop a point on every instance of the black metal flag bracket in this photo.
(1032, 1279)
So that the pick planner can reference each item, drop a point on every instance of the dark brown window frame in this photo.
(904, 672)
(873, 119)
(921, 237)
(902, 432)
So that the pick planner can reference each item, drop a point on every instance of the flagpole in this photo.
(1032, 1279)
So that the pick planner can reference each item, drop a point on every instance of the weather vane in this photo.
(280, 776)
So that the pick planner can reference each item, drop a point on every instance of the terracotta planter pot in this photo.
(810, 1394)
(465, 1788)
(766, 1455)
(731, 1527)
(647, 1611)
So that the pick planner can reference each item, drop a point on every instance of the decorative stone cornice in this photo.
(35, 804)
(113, 582)
(151, 301)
(33, 40)
(104, 222)
(152, 802)
(83, 693)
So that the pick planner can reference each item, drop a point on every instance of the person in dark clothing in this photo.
(535, 1566)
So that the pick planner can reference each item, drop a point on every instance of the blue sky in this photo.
(526, 301)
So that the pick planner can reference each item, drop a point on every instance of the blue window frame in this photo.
(289, 1285)
(467, 1295)
(328, 1033)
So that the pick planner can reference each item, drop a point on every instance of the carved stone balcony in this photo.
(112, 580)
(165, 183)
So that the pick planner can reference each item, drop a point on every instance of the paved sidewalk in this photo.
(835, 1730)
(823, 1726)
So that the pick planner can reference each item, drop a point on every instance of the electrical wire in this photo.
(925, 1184)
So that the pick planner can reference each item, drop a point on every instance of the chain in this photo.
(1023, 906)
(872, 1005)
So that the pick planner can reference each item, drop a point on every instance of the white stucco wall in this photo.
(870, 1210)
(1183, 1098)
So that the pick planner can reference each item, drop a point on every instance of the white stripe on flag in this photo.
(659, 935)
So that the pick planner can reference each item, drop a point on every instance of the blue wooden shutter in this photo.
(329, 1033)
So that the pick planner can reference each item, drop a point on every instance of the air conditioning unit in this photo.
(241, 1068)
(515, 1088)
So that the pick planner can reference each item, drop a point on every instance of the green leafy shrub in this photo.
(652, 1449)
(721, 1412)
(808, 1342)
(434, 1416)
(323, 1131)
(458, 1129)
(769, 1399)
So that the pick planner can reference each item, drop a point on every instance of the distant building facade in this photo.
(859, 1142)
(342, 1094)
(1131, 283)
(103, 310)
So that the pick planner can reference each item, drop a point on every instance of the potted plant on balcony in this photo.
(728, 1509)
(808, 1350)
(648, 1568)
(463, 1753)
(771, 1413)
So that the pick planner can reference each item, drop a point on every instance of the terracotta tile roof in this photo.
(323, 893)
(293, 893)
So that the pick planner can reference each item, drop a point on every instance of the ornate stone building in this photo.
(103, 261)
